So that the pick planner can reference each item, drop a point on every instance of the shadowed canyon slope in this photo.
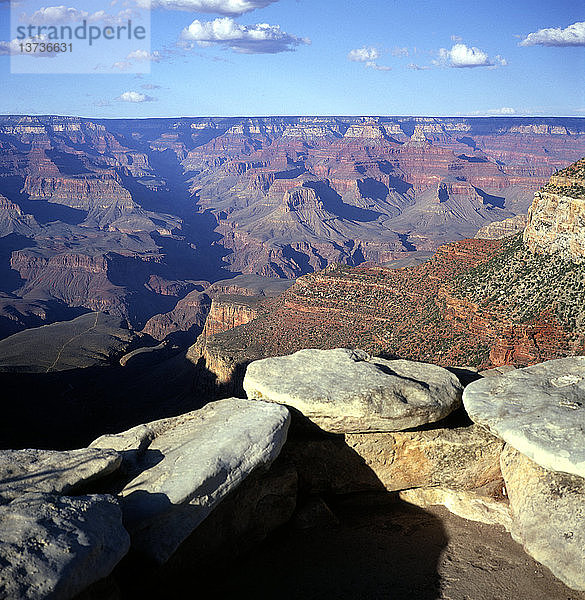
(484, 303)
(130, 217)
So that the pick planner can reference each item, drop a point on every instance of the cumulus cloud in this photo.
(365, 54)
(59, 15)
(461, 56)
(221, 7)
(248, 39)
(8, 48)
(573, 35)
(134, 97)
(369, 56)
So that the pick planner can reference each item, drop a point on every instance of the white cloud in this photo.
(374, 65)
(368, 55)
(415, 67)
(7, 48)
(461, 56)
(398, 51)
(365, 54)
(573, 35)
(150, 86)
(57, 14)
(505, 111)
(144, 56)
(136, 56)
(53, 15)
(221, 7)
(456, 38)
(141, 56)
(134, 97)
(248, 39)
(14, 48)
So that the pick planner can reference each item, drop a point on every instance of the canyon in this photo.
(482, 303)
(346, 297)
(136, 218)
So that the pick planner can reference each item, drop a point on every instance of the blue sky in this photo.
(323, 57)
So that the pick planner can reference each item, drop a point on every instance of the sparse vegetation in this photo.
(523, 285)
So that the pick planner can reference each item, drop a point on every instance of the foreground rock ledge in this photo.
(180, 468)
(548, 511)
(538, 410)
(51, 471)
(348, 391)
(462, 458)
(55, 547)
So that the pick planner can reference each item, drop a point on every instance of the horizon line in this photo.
(297, 116)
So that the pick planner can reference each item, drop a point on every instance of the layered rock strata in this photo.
(556, 219)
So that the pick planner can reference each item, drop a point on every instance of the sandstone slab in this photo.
(538, 410)
(548, 511)
(49, 471)
(468, 505)
(54, 547)
(459, 458)
(180, 468)
(348, 391)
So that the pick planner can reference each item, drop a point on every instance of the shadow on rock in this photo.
(288, 529)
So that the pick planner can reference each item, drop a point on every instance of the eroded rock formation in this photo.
(96, 212)
(484, 303)
(556, 220)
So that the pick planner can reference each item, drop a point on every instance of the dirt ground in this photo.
(386, 549)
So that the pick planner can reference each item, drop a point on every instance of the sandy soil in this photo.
(386, 549)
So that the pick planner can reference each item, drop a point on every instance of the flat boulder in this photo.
(179, 469)
(348, 391)
(54, 547)
(548, 515)
(51, 471)
(538, 410)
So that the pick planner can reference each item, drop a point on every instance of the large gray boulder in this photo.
(348, 391)
(54, 547)
(538, 410)
(180, 468)
(51, 471)
(548, 512)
